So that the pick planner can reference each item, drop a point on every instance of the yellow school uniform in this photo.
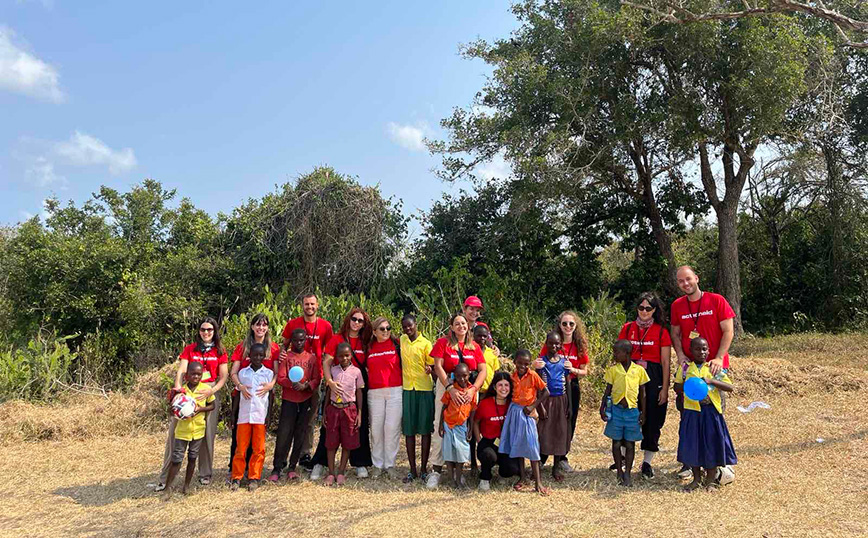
(703, 373)
(625, 383)
(190, 429)
(492, 364)
(415, 356)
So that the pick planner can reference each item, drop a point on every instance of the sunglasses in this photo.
(357, 320)
(645, 308)
(203, 330)
(568, 324)
(384, 329)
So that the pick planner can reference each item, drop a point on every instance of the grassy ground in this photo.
(801, 472)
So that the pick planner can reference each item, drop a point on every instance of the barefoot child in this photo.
(554, 424)
(454, 419)
(189, 432)
(343, 412)
(252, 410)
(418, 395)
(519, 437)
(625, 385)
(704, 441)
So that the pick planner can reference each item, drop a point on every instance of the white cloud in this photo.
(85, 150)
(22, 72)
(409, 136)
(41, 172)
(496, 168)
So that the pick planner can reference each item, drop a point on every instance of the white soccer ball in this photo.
(725, 475)
(183, 406)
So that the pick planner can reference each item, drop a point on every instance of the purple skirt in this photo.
(704, 439)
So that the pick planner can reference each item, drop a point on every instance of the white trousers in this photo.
(436, 457)
(385, 406)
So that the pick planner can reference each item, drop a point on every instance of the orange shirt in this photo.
(524, 390)
(454, 414)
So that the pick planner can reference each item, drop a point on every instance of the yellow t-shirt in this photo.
(190, 429)
(415, 356)
(704, 373)
(625, 383)
(492, 364)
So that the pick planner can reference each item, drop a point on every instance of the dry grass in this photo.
(787, 482)
(846, 349)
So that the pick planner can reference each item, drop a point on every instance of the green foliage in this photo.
(37, 370)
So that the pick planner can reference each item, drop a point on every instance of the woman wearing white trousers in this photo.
(385, 391)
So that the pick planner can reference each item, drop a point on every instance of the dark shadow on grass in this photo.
(111, 492)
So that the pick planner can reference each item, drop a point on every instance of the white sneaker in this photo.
(317, 472)
(685, 473)
(565, 467)
(362, 472)
(484, 485)
(376, 472)
(433, 480)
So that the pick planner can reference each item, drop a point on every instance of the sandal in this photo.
(204, 480)
(292, 475)
(330, 480)
(341, 480)
(409, 478)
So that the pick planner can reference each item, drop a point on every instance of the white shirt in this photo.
(253, 410)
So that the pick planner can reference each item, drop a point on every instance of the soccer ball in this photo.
(725, 475)
(183, 406)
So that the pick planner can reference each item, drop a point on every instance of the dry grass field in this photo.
(802, 472)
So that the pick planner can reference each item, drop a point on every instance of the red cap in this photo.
(473, 300)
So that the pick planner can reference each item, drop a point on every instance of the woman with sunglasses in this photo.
(651, 350)
(356, 331)
(385, 397)
(258, 334)
(574, 346)
(208, 350)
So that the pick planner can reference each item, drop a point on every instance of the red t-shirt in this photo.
(355, 343)
(571, 352)
(491, 417)
(312, 374)
(646, 342)
(210, 360)
(704, 316)
(442, 350)
(318, 333)
(384, 366)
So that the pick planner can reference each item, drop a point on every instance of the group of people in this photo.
(453, 395)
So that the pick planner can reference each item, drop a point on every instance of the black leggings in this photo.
(655, 415)
(489, 457)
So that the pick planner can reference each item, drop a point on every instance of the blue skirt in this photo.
(518, 438)
(456, 447)
(703, 439)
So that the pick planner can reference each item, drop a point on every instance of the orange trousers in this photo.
(245, 435)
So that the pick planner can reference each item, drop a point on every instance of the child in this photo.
(418, 394)
(482, 337)
(625, 385)
(455, 433)
(189, 432)
(554, 426)
(704, 441)
(251, 418)
(519, 438)
(343, 415)
(296, 410)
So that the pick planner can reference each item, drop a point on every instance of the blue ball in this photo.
(696, 388)
(295, 374)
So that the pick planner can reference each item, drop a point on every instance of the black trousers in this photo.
(655, 415)
(360, 457)
(236, 400)
(489, 457)
(294, 420)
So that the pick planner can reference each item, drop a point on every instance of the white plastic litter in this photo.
(820, 440)
(752, 406)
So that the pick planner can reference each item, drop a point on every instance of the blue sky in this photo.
(223, 100)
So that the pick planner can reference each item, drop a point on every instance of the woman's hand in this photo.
(264, 389)
(283, 355)
(460, 398)
(663, 397)
(333, 385)
(207, 393)
(244, 392)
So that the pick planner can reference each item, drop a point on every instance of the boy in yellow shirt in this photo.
(418, 394)
(625, 382)
(189, 432)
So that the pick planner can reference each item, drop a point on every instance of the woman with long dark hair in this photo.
(487, 425)
(208, 350)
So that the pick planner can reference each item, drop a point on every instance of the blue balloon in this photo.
(696, 388)
(295, 374)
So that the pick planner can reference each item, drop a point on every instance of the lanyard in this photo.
(698, 309)
(310, 340)
(642, 340)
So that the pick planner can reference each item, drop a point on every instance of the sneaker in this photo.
(317, 472)
(204, 480)
(392, 473)
(433, 480)
(484, 485)
(274, 478)
(362, 472)
(565, 467)
(409, 478)
(252, 485)
(160, 487)
(685, 472)
(613, 467)
(235, 485)
(306, 462)
(647, 471)
(376, 472)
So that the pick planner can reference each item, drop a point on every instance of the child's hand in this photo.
(528, 410)
(642, 418)
(706, 400)
(543, 414)
(428, 369)
(298, 386)
(603, 414)
(441, 429)
(358, 422)
(470, 434)
(538, 364)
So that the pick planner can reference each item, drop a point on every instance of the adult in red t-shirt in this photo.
(319, 332)
(703, 314)
(651, 350)
(574, 347)
(208, 350)
(385, 397)
(355, 330)
(258, 334)
(447, 352)
(487, 424)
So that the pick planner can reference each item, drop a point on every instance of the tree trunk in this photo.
(835, 195)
